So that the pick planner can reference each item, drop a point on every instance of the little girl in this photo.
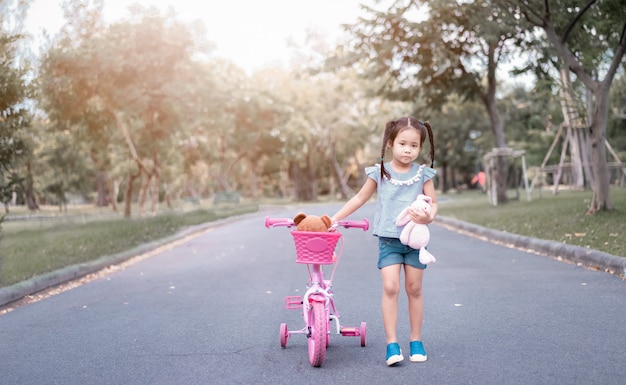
(397, 184)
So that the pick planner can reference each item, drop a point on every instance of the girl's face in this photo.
(406, 147)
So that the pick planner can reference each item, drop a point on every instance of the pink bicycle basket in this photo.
(315, 248)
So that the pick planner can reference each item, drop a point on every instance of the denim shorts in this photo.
(392, 252)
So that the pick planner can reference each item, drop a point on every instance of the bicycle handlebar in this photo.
(288, 222)
(364, 224)
(276, 222)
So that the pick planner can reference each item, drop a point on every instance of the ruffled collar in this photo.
(416, 178)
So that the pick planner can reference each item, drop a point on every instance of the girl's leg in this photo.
(391, 290)
(413, 285)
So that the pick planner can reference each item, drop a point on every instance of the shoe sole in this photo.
(418, 358)
(394, 360)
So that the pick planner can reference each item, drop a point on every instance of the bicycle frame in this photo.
(317, 303)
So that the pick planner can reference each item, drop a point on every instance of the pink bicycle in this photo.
(318, 304)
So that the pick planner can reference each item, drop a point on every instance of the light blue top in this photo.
(395, 194)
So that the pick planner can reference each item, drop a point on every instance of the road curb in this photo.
(38, 283)
(590, 258)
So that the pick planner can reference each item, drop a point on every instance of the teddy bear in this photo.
(416, 235)
(312, 222)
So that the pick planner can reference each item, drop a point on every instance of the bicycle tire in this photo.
(363, 333)
(317, 341)
(284, 335)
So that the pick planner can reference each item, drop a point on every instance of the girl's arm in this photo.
(419, 216)
(364, 194)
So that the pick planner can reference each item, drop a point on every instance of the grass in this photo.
(35, 247)
(560, 217)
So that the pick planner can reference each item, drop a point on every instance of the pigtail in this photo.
(431, 139)
(388, 129)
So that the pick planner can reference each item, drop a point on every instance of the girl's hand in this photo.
(420, 216)
(333, 225)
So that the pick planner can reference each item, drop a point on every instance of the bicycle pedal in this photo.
(350, 331)
(292, 302)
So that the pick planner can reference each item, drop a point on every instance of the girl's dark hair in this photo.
(394, 127)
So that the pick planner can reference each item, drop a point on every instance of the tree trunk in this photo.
(453, 182)
(29, 194)
(255, 190)
(128, 195)
(113, 189)
(304, 183)
(501, 171)
(156, 180)
(101, 188)
(601, 199)
(146, 178)
(344, 189)
(283, 183)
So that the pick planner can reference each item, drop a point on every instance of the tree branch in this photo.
(129, 140)
(569, 58)
(571, 25)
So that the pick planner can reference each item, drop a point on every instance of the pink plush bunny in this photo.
(416, 235)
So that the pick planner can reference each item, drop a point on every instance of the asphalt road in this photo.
(208, 310)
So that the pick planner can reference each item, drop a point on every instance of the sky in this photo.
(251, 33)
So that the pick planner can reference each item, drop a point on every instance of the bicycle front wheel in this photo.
(318, 323)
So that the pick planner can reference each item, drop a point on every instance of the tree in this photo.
(459, 141)
(120, 86)
(454, 49)
(65, 171)
(15, 117)
(590, 38)
(68, 91)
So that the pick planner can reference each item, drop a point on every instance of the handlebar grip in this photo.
(364, 224)
(270, 222)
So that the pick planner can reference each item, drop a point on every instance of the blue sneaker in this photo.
(394, 354)
(418, 354)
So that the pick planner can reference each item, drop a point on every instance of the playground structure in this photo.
(578, 170)
(576, 146)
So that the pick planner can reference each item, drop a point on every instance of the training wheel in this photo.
(363, 332)
(284, 335)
